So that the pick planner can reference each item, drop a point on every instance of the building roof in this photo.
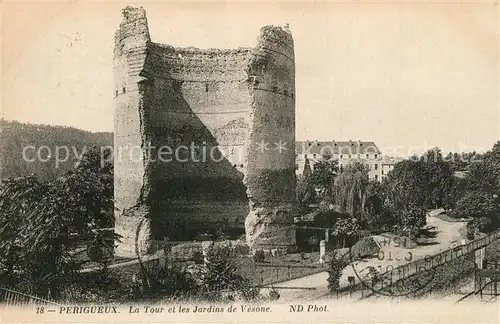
(336, 147)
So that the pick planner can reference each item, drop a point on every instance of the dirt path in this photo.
(393, 254)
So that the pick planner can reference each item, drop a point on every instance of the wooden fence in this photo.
(389, 278)
(12, 298)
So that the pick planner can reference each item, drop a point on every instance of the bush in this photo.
(336, 266)
(410, 222)
(274, 294)
(364, 248)
(482, 224)
(104, 285)
(160, 282)
(259, 256)
(220, 281)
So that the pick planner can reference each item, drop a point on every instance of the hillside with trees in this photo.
(41, 144)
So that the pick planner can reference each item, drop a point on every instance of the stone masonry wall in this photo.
(130, 174)
(207, 110)
(271, 176)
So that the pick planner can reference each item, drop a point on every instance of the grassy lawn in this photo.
(279, 269)
(272, 270)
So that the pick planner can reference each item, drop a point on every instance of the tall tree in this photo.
(439, 179)
(349, 189)
(323, 176)
(305, 187)
(51, 220)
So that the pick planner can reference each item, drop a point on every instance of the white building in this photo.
(344, 152)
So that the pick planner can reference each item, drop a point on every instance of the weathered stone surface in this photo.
(268, 227)
(135, 227)
(222, 104)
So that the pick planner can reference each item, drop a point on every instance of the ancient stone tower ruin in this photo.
(204, 138)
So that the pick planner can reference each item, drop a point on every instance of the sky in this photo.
(406, 75)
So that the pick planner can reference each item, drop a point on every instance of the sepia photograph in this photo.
(267, 161)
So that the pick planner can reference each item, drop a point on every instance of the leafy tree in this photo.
(405, 184)
(52, 220)
(485, 175)
(410, 221)
(344, 227)
(476, 196)
(350, 189)
(323, 175)
(439, 179)
(426, 181)
(461, 161)
(305, 186)
(477, 204)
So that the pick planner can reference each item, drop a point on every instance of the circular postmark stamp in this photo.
(392, 271)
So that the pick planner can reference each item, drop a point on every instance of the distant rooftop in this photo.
(336, 147)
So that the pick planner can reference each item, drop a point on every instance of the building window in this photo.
(341, 156)
(349, 156)
(376, 166)
(124, 90)
(314, 155)
(116, 93)
(305, 156)
(367, 156)
(376, 177)
(375, 155)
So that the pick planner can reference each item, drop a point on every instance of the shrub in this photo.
(161, 282)
(259, 256)
(274, 294)
(364, 248)
(336, 266)
(220, 281)
(483, 224)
